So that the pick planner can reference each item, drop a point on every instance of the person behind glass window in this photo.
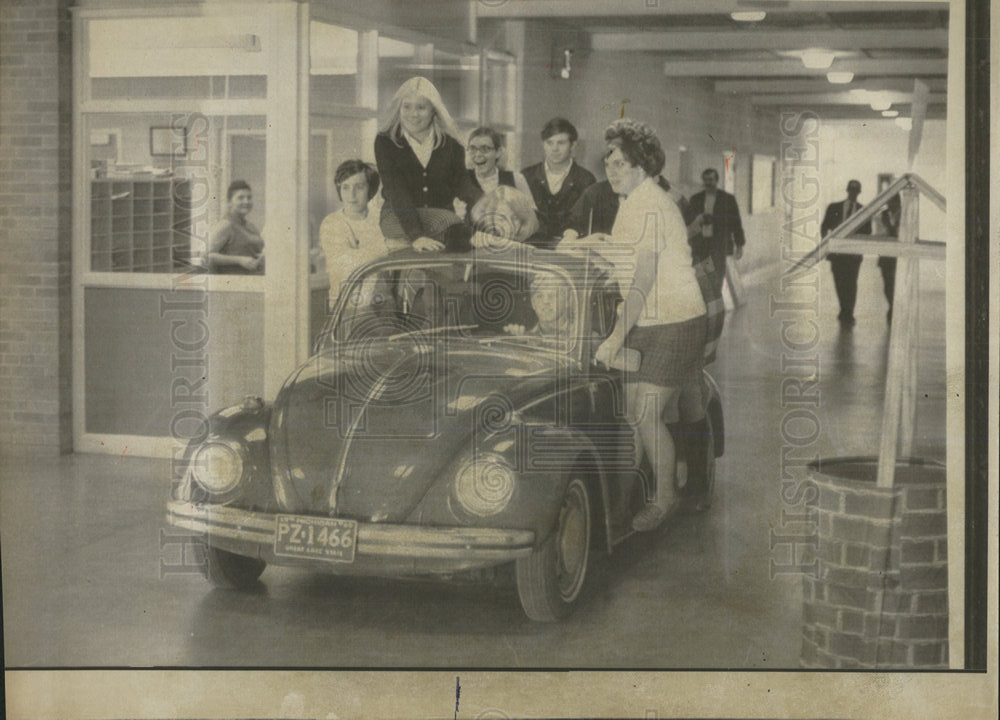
(235, 246)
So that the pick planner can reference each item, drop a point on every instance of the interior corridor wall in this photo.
(685, 112)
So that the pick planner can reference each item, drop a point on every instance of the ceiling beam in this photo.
(751, 39)
(645, 8)
(840, 98)
(857, 112)
(757, 68)
(821, 85)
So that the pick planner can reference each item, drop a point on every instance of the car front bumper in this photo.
(381, 548)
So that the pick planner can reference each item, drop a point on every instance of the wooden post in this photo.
(908, 407)
(900, 377)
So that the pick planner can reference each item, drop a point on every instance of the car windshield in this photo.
(488, 302)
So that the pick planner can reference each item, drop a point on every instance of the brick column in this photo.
(35, 225)
(880, 599)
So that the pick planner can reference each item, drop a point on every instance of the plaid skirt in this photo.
(434, 222)
(673, 354)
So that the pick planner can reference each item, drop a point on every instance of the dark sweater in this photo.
(554, 210)
(506, 177)
(408, 185)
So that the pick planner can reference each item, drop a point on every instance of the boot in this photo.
(696, 445)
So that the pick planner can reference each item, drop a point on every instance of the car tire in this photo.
(228, 570)
(705, 502)
(551, 578)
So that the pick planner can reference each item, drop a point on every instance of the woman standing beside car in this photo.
(422, 166)
(663, 314)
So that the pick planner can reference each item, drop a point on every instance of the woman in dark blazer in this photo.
(422, 166)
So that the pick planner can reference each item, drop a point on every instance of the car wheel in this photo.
(229, 570)
(549, 580)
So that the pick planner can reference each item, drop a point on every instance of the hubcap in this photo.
(573, 541)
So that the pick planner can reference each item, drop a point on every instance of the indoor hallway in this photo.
(90, 574)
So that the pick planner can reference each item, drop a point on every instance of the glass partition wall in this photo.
(174, 103)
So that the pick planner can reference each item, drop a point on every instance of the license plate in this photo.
(315, 538)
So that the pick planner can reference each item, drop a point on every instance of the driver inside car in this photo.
(550, 301)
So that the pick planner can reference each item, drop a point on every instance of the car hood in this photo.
(364, 431)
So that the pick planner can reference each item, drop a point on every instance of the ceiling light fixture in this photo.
(816, 59)
(565, 71)
(879, 102)
(748, 15)
(890, 113)
(840, 77)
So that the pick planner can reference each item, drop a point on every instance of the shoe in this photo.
(695, 500)
(652, 516)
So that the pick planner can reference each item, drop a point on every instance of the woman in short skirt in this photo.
(663, 315)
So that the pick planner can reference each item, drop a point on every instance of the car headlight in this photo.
(485, 485)
(217, 467)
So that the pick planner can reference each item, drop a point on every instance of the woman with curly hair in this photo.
(422, 165)
(663, 313)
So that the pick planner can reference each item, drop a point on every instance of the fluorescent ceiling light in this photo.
(748, 15)
(890, 113)
(816, 59)
(879, 102)
(840, 77)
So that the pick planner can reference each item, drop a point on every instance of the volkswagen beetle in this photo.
(449, 420)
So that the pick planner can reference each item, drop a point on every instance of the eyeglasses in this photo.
(474, 149)
(617, 165)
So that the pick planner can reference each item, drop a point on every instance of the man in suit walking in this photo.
(845, 266)
(557, 182)
(716, 230)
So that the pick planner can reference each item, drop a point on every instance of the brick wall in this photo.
(880, 598)
(35, 225)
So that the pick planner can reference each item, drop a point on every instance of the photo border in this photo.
(156, 693)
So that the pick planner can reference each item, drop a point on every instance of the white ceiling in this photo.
(887, 45)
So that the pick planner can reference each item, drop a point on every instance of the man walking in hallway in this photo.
(845, 266)
(716, 230)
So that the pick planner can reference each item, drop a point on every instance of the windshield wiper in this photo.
(550, 345)
(443, 328)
